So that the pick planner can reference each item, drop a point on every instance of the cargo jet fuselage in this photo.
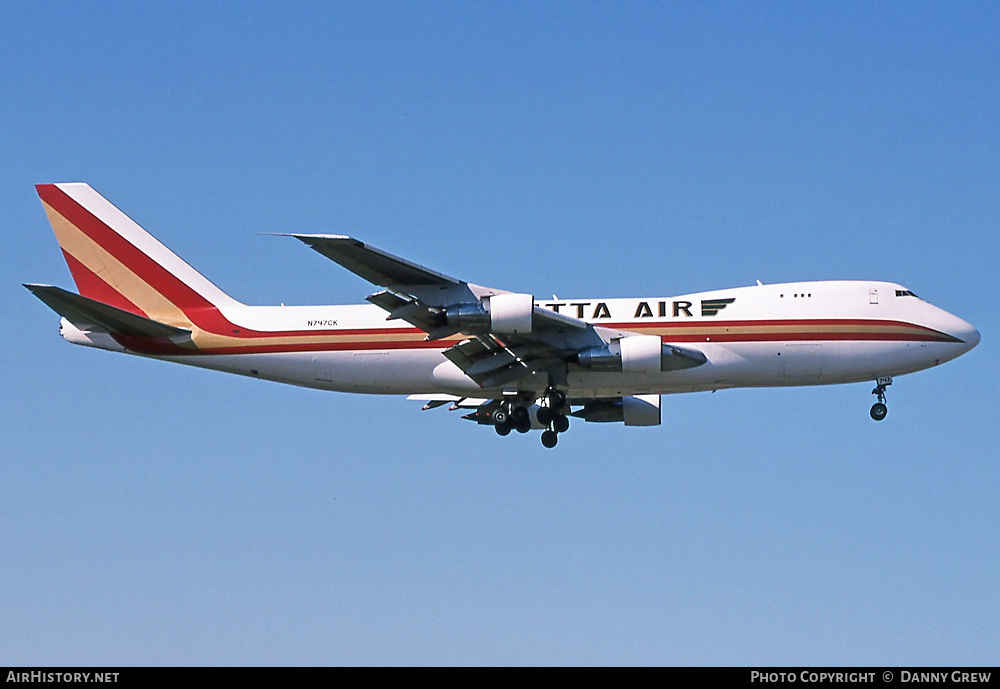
(515, 361)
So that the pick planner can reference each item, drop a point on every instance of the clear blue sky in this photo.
(152, 513)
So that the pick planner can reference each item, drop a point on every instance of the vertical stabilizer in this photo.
(116, 262)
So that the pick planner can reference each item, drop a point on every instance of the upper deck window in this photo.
(905, 293)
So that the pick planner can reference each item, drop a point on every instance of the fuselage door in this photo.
(322, 368)
(873, 295)
(802, 362)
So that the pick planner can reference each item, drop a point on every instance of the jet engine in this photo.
(507, 314)
(638, 354)
(511, 313)
(635, 410)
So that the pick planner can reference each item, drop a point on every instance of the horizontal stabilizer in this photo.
(84, 312)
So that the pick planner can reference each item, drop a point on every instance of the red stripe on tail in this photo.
(89, 284)
(199, 310)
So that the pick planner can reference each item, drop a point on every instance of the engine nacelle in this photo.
(469, 317)
(641, 354)
(511, 313)
(633, 354)
(508, 314)
(637, 410)
(638, 354)
(641, 410)
(600, 358)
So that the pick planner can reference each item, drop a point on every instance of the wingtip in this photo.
(306, 237)
(329, 237)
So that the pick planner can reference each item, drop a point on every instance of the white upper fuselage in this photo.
(807, 333)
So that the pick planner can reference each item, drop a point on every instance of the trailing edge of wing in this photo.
(83, 311)
(411, 310)
(433, 401)
(377, 266)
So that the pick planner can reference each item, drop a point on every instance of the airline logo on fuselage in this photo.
(710, 307)
(588, 310)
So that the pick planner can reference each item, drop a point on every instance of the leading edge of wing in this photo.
(374, 265)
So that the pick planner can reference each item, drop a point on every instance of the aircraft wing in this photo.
(498, 349)
(374, 265)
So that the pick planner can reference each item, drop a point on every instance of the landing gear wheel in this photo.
(557, 399)
(500, 418)
(502, 428)
(560, 424)
(549, 438)
(523, 426)
(545, 415)
(519, 415)
(879, 411)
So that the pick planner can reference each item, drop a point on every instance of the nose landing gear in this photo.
(879, 410)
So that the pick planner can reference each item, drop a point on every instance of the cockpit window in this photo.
(905, 293)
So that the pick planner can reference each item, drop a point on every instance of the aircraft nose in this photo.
(967, 334)
(972, 337)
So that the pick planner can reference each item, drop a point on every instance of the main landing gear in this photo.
(509, 417)
(550, 414)
(879, 410)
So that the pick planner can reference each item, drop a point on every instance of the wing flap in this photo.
(439, 400)
(413, 311)
(484, 359)
(491, 364)
(468, 352)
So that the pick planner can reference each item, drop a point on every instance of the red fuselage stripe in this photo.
(921, 335)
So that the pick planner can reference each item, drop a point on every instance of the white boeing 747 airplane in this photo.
(514, 362)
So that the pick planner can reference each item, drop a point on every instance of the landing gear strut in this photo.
(520, 419)
(556, 401)
(879, 410)
(551, 415)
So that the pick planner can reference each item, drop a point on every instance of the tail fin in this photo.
(116, 262)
